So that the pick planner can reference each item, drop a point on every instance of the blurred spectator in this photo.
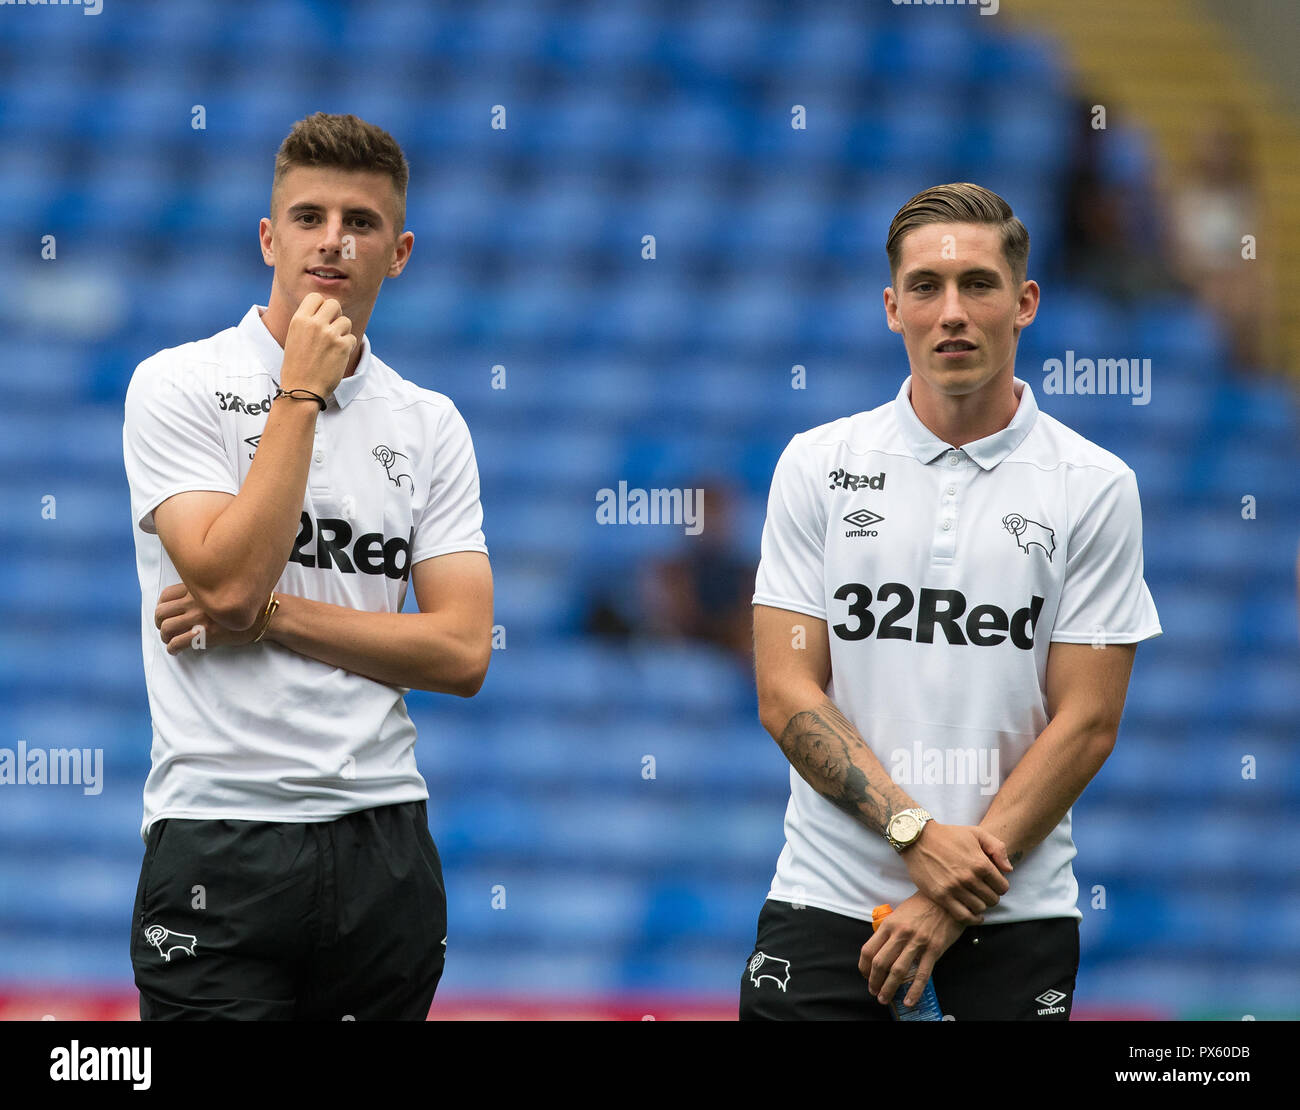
(1215, 203)
(702, 592)
(1111, 238)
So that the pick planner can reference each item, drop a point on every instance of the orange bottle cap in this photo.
(880, 913)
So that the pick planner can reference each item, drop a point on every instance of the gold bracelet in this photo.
(271, 606)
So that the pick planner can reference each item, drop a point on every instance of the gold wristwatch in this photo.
(905, 826)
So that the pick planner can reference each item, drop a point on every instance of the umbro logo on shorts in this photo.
(1049, 999)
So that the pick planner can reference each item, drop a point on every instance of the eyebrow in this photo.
(973, 272)
(307, 206)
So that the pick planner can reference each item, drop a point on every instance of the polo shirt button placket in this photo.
(946, 545)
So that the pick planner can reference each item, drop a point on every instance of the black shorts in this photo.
(1023, 971)
(257, 920)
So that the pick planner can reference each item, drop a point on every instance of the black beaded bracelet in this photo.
(294, 394)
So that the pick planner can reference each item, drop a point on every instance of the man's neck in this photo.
(969, 417)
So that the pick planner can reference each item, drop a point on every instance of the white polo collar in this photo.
(987, 452)
(271, 354)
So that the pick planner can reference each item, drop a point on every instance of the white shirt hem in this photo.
(268, 818)
(1065, 636)
(188, 487)
(447, 550)
(793, 606)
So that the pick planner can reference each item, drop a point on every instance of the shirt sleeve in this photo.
(452, 519)
(171, 439)
(791, 568)
(1105, 599)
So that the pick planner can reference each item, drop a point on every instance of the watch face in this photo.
(906, 826)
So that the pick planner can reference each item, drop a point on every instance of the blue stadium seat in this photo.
(1024, 141)
(1025, 58)
(1082, 322)
(607, 41)
(381, 33)
(529, 603)
(904, 50)
(825, 46)
(1180, 333)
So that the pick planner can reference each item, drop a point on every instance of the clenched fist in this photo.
(183, 623)
(318, 347)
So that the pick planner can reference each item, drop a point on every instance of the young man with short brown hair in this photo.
(286, 485)
(945, 618)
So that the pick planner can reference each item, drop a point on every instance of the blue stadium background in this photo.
(625, 120)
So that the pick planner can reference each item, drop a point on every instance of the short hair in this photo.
(347, 143)
(960, 203)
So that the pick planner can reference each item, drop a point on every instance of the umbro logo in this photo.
(863, 518)
(1049, 999)
(862, 521)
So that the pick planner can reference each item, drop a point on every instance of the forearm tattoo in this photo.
(819, 743)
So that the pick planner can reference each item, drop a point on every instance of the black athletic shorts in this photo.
(257, 920)
(805, 967)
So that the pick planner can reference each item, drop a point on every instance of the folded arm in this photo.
(445, 647)
(230, 550)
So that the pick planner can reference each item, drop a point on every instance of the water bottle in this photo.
(925, 1010)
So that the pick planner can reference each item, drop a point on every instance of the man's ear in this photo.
(1027, 304)
(402, 253)
(891, 311)
(265, 234)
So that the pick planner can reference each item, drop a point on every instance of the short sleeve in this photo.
(452, 519)
(171, 440)
(1104, 598)
(791, 568)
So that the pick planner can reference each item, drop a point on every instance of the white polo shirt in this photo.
(944, 575)
(258, 732)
